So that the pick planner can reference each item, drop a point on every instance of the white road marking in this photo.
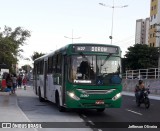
(134, 112)
(91, 122)
(100, 130)
(83, 116)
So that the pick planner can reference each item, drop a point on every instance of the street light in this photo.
(72, 37)
(111, 36)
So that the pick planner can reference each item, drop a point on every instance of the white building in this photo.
(142, 31)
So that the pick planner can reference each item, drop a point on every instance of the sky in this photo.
(51, 21)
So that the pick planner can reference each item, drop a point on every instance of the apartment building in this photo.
(142, 31)
(154, 30)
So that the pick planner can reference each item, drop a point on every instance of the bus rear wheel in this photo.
(100, 110)
(40, 97)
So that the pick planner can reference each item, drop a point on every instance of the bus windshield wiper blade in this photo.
(106, 59)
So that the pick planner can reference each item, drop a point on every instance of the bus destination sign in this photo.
(93, 48)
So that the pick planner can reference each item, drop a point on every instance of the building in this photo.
(154, 30)
(142, 31)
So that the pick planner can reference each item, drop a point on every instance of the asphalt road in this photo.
(47, 112)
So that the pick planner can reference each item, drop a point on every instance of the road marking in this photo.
(91, 122)
(100, 130)
(134, 112)
(83, 116)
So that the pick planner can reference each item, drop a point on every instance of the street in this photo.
(35, 111)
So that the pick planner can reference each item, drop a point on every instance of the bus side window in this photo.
(59, 64)
(54, 64)
(50, 62)
(57, 69)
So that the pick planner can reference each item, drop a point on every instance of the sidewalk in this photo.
(151, 96)
(10, 111)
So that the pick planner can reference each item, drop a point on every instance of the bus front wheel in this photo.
(60, 108)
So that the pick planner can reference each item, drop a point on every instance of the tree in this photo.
(141, 56)
(36, 55)
(10, 44)
(26, 68)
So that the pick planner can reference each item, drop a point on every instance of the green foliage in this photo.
(141, 56)
(10, 43)
(36, 55)
(26, 68)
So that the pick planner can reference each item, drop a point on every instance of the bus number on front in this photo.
(84, 95)
(81, 48)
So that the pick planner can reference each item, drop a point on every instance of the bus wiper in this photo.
(106, 59)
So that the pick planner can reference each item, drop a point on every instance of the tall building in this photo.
(154, 30)
(142, 31)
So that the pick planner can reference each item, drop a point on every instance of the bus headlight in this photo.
(116, 96)
(72, 95)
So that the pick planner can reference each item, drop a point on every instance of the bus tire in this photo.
(100, 109)
(39, 95)
(60, 108)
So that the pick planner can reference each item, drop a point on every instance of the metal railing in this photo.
(150, 73)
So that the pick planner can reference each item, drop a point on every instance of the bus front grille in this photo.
(96, 91)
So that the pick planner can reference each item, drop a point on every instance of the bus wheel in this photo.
(60, 108)
(100, 109)
(39, 95)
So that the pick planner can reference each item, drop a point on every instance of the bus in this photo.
(80, 75)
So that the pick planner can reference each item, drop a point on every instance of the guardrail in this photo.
(151, 73)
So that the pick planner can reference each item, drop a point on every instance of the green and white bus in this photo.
(81, 75)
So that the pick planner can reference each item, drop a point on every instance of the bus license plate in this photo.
(99, 102)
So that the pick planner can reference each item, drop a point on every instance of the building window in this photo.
(153, 44)
(152, 8)
(150, 35)
(154, 16)
(154, 25)
(151, 18)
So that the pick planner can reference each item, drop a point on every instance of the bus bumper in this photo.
(93, 104)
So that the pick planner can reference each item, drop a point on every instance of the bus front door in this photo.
(64, 73)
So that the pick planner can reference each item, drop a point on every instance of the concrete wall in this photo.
(152, 84)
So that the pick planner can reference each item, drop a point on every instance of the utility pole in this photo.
(113, 7)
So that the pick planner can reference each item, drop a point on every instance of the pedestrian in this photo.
(24, 82)
(9, 83)
(19, 81)
(14, 79)
(3, 83)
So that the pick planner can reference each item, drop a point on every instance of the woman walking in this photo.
(14, 79)
(9, 83)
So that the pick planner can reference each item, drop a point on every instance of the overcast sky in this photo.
(50, 20)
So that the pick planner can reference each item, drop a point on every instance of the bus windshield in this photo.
(92, 69)
(108, 65)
